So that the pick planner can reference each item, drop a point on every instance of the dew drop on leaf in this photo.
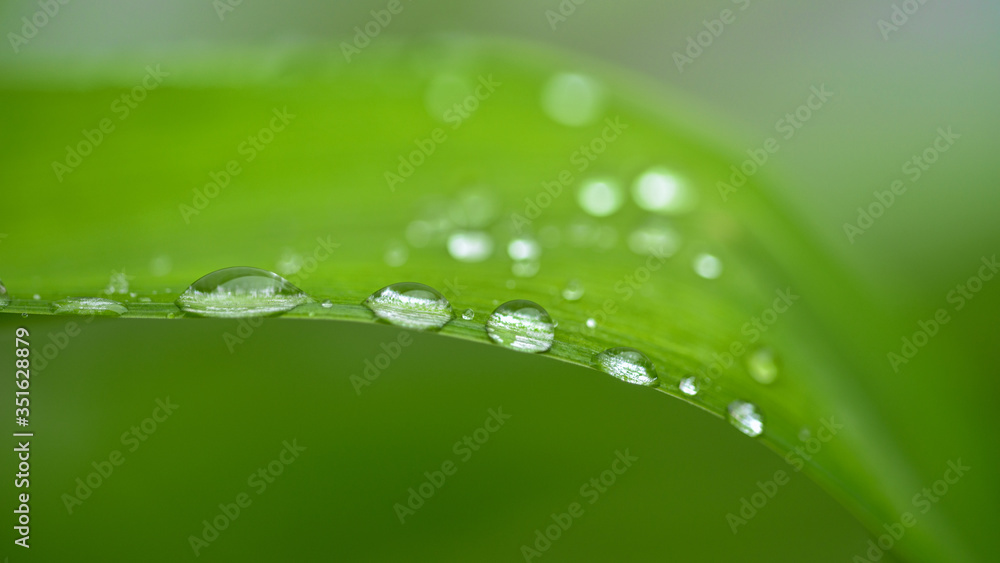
(88, 306)
(241, 292)
(689, 386)
(468, 314)
(762, 366)
(522, 325)
(411, 305)
(627, 364)
(745, 418)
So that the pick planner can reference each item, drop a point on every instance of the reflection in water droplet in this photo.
(707, 266)
(763, 366)
(327, 304)
(523, 249)
(627, 364)
(468, 314)
(88, 306)
(573, 99)
(658, 189)
(411, 305)
(522, 325)
(689, 386)
(241, 292)
(470, 246)
(573, 290)
(655, 237)
(600, 197)
(396, 254)
(745, 418)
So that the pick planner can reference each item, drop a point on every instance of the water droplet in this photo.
(468, 314)
(600, 197)
(411, 305)
(658, 189)
(290, 262)
(88, 306)
(396, 254)
(133, 295)
(763, 366)
(804, 434)
(327, 304)
(707, 266)
(145, 300)
(522, 325)
(591, 324)
(655, 237)
(573, 99)
(4, 298)
(573, 290)
(627, 364)
(118, 283)
(525, 268)
(470, 246)
(36, 297)
(24, 315)
(745, 418)
(523, 249)
(689, 386)
(240, 292)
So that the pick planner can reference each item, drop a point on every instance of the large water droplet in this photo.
(627, 364)
(744, 416)
(689, 386)
(241, 292)
(600, 197)
(88, 306)
(763, 366)
(522, 325)
(411, 305)
(573, 99)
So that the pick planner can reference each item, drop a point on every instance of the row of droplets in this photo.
(521, 325)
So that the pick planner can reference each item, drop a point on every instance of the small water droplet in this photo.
(411, 305)
(133, 295)
(522, 325)
(4, 298)
(591, 324)
(627, 364)
(24, 315)
(745, 418)
(510, 284)
(145, 300)
(525, 268)
(327, 304)
(573, 99)
(689, 386)
(290, 262)
(657, 189)
(707, 266)
(762, 366)
(573, 290)
(240, 292)
(468, 314)
(523, 248)
(88, 306)
(600, 197)
(470, 246)
(36, 297)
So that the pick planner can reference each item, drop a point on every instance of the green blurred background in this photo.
(362, 453)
